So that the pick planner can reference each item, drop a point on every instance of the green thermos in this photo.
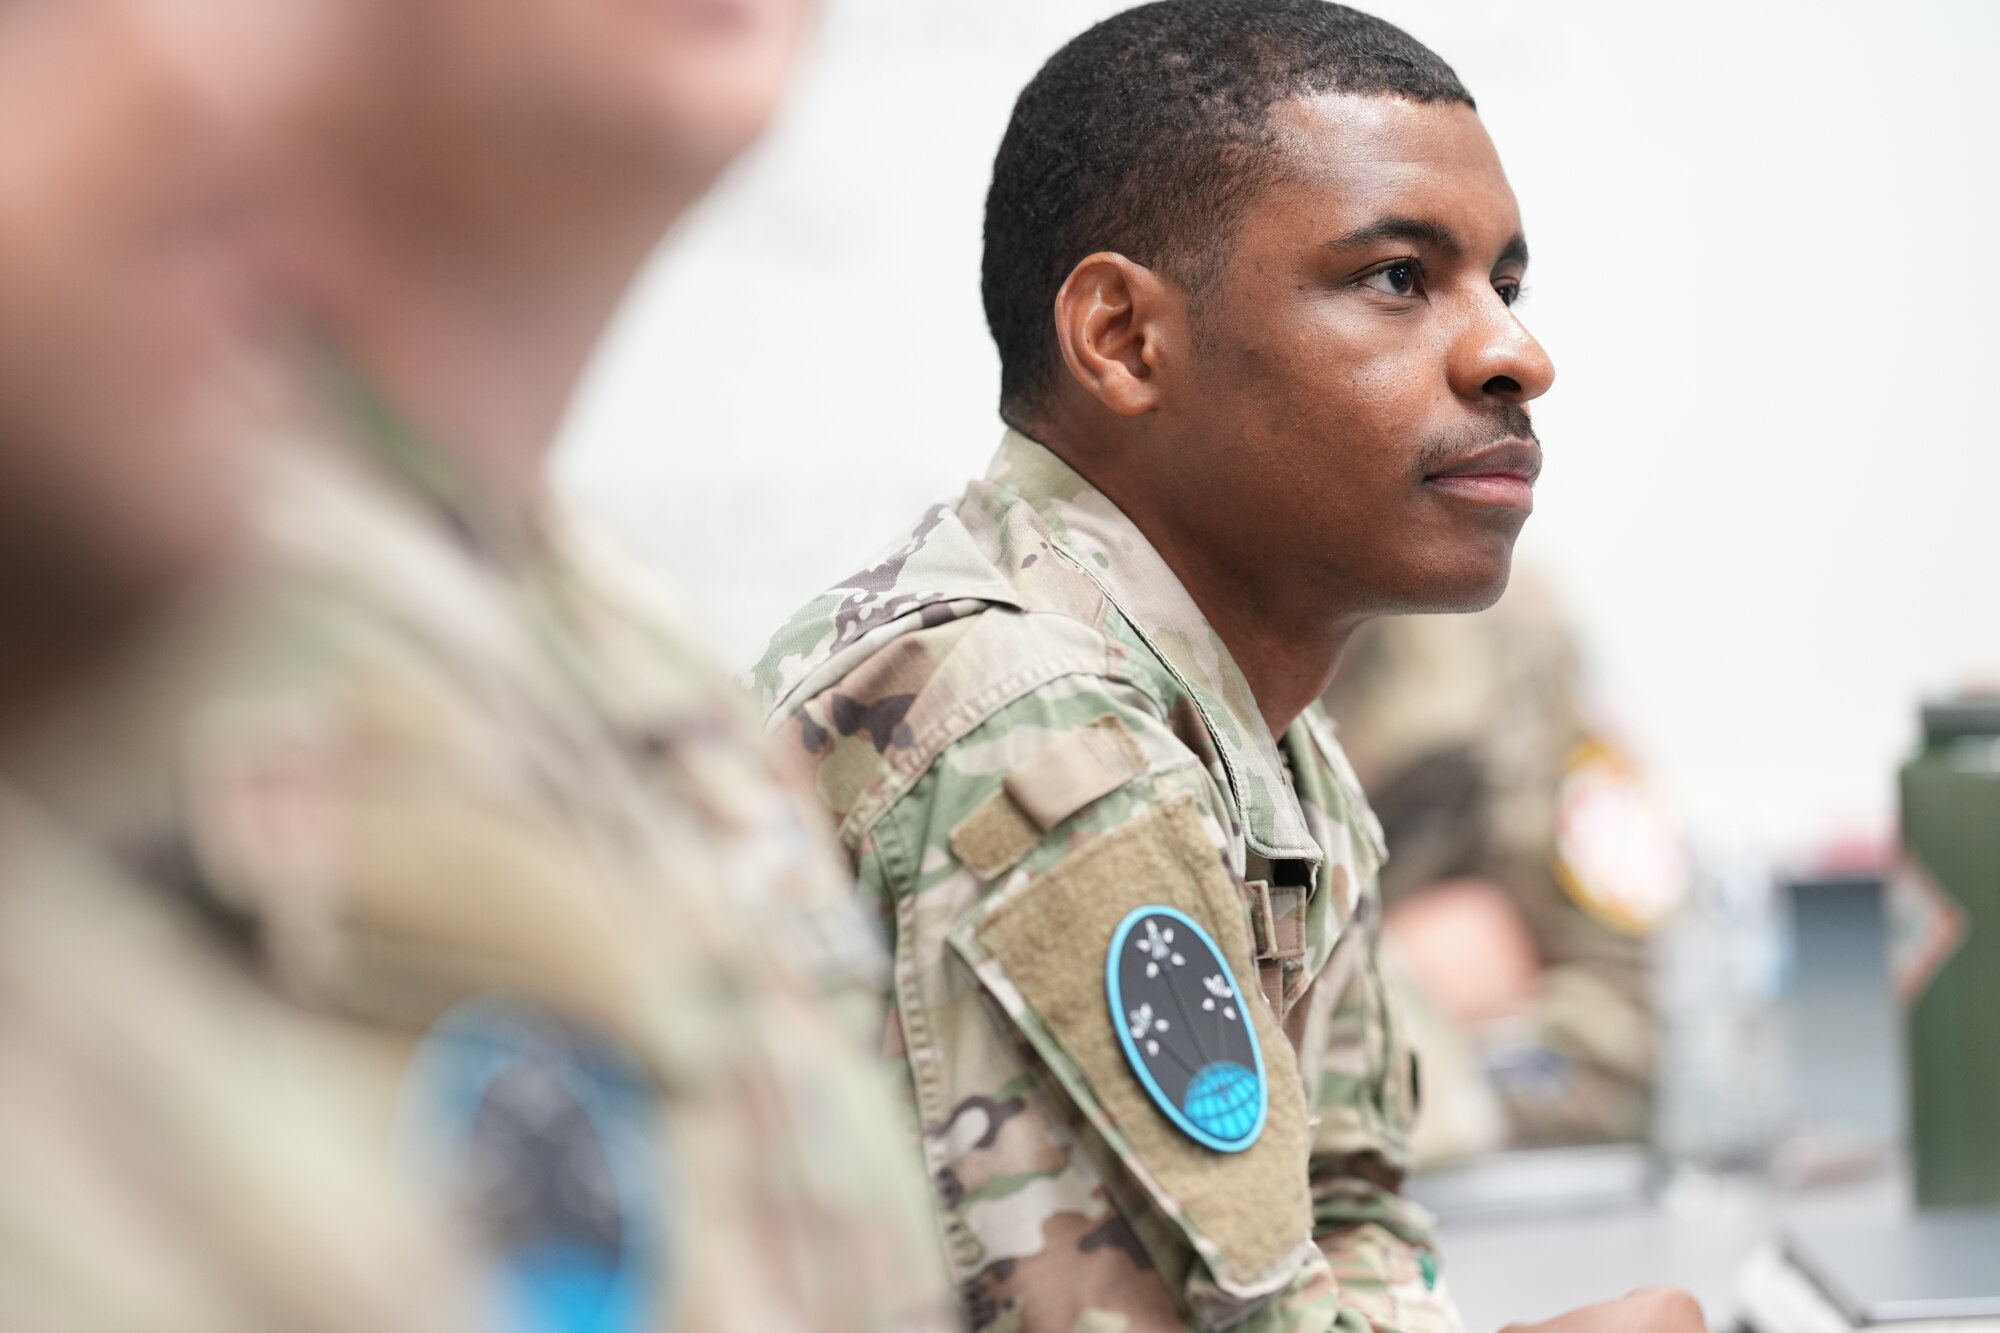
(1945, 909)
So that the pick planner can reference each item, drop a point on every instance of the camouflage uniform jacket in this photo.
(1026, 730)
(179, 1148)
(455, 772)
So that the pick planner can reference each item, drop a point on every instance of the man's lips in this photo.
(1501, 474)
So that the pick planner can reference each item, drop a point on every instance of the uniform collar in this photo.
(1111, 550)
(366, 418)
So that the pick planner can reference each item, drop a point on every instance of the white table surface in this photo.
(1528, 1268)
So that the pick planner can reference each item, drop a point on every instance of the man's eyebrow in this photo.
(1422, 231)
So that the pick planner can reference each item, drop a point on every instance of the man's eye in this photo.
(1397, 279)
(1510, 292)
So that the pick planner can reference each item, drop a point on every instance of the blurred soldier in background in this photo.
(111, 334)
(1528, 864)
(440, 769)
(181, 1151)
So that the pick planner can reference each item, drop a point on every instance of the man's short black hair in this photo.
(1146, 136)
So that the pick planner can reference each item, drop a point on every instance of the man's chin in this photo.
(1471, 584)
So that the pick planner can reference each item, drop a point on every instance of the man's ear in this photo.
(1115, 321)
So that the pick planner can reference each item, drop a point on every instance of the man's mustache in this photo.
(1447, 450)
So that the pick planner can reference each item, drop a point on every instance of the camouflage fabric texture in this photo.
(1025, 729)
(431, 757)
(1466, 730)
(180, 1153)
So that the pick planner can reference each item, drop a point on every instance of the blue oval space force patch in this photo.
(541, 1133)
(1185, 1031)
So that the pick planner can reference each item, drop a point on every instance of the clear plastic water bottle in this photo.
(1719, 973)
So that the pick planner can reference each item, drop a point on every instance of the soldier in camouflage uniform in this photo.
(181, 1151)
(446, 786)
(1025, 728)
(1474, 738)
(1249, 267)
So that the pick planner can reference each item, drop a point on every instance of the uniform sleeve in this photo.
(1065, 1192)
(1379, 1245)
(1361, 1071)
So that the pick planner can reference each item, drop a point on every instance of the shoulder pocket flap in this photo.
(1075, 769)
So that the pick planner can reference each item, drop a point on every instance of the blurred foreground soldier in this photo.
(1529, 863)
(181, 1149)
(1249, 267)
(443, 768)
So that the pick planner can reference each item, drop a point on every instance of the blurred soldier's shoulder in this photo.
(180, 1146)
(461, 788)
(532, 661)
(575, 792)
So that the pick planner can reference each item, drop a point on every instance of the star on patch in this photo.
(1181, 1022)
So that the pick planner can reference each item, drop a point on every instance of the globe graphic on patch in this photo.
(1184, 1028)
(1224, 1099)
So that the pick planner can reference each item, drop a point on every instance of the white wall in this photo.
(1763, 262)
